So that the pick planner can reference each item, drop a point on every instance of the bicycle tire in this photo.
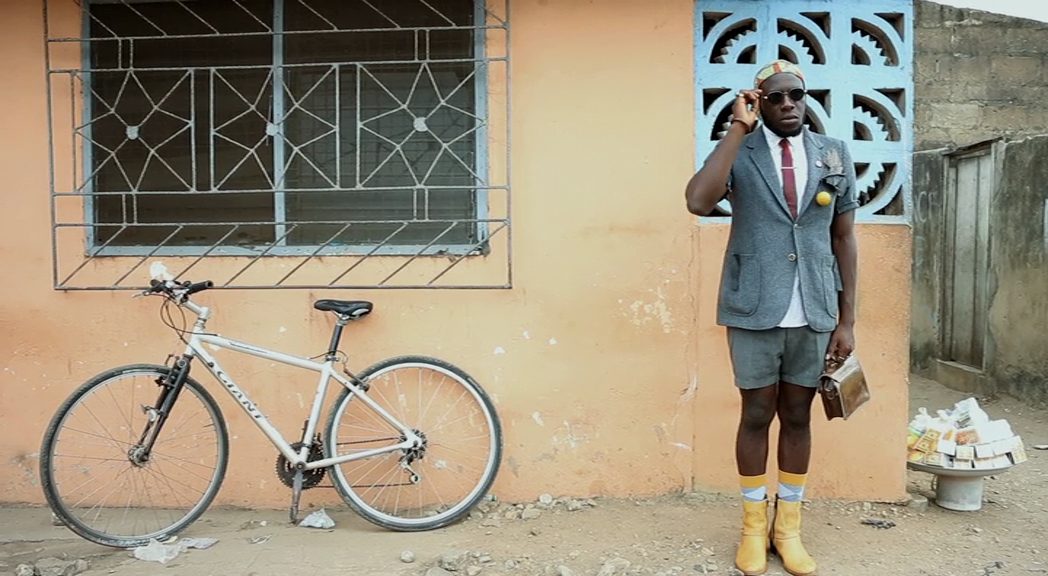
(91, 413)
(355, 481)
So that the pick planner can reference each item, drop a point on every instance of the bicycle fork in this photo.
(157, 414)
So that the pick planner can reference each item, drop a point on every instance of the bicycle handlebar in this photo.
(179, 291)
(199, 287)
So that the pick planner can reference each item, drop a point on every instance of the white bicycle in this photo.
(139, 452)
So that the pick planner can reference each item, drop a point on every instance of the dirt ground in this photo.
(671, 535)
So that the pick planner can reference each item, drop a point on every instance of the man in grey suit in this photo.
(787, 293)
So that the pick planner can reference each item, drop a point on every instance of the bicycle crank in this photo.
(310, 478)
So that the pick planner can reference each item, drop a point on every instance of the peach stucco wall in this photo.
(611, 378)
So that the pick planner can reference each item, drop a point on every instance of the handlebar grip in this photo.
(199, 286)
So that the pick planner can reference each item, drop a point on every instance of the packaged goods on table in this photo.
(963, 438)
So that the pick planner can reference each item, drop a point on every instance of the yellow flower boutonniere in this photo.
(833, 177)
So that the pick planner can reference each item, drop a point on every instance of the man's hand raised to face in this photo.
(747, 108)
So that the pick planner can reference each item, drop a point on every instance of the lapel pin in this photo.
(823, 198)
(818, 163)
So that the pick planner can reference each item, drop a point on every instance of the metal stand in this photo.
(296, 493)
(955, 489)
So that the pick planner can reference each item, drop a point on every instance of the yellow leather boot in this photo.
(752, 556)
(786, 539)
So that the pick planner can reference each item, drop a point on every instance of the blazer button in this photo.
(792, 257)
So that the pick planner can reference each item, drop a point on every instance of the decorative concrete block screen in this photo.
(857, 58)
(280, 143)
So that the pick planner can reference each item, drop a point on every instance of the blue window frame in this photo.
(279, 126)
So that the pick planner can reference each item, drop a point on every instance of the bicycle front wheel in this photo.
(418, 489)
(90, 473)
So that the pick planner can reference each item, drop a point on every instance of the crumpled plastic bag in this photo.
(166, 552)
(157, 552)
(198, 543)
(317, 519)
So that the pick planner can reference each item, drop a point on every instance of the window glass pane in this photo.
(376, 123)
(406, 129)
(150, 126)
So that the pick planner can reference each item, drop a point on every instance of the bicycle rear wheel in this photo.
(456, 464)
(88, 473)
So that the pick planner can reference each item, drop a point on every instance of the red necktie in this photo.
(789, 185)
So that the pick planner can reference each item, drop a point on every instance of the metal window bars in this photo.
(280, 143)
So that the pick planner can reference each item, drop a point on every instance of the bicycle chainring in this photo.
(310, 478)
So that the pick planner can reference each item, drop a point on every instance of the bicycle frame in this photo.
(195, 348)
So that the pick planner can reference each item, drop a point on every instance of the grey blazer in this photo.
(767, 248)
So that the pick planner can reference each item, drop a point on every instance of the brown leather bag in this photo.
(843, 387)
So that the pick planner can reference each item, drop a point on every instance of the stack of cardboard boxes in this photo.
(963, 438)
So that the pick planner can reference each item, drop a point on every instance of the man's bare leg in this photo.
(794, 411)
(751, 442)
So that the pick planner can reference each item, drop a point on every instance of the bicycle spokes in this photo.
(104, 482)
(448, 467)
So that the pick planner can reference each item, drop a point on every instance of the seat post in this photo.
(336, 336)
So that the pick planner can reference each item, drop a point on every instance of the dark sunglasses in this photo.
(777, 97)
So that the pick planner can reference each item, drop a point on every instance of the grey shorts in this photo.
(761, 358)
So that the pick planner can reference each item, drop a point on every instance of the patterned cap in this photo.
(777, 67)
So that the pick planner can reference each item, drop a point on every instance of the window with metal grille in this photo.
(223, 124)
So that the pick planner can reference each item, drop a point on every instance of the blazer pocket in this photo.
(829, 284)
(743, 292)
